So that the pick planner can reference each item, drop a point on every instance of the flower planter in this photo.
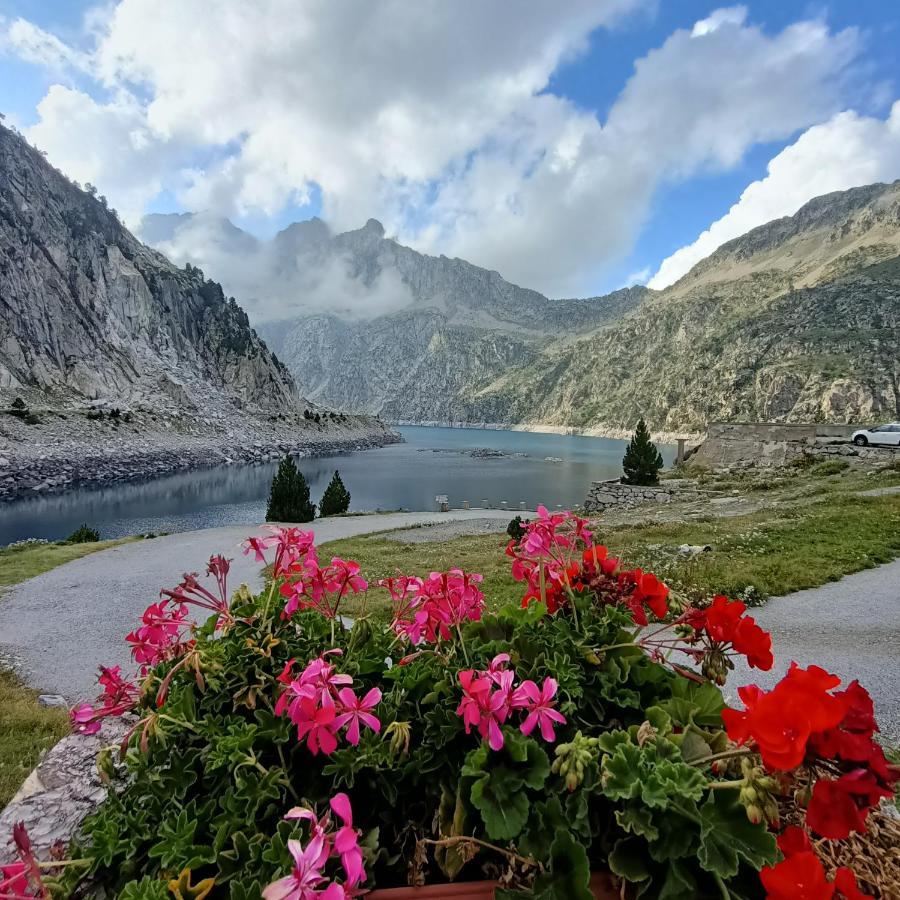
(602, 888)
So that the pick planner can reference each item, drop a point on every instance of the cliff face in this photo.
(90, 312)
(397, 332)
(796, 321)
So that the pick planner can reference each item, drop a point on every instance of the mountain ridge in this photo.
(788, 322)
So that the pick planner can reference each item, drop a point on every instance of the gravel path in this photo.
(850, 627)
(58, 627)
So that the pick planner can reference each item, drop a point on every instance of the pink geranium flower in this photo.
(346, 841)
(304, 881)
(540, 705)
(356, 711)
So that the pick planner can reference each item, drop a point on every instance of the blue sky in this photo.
(572, 150)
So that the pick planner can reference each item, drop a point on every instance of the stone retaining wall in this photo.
(607, 494)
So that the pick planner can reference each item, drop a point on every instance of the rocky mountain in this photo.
(91, 313)
(367, 324)
(796, 321)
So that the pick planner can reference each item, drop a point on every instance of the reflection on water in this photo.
(538, 468)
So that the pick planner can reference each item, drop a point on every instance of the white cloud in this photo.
(847, 151)
(434, 117)
(107, 144)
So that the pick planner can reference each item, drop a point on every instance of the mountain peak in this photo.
(375, 227)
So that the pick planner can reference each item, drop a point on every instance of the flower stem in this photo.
(725, 785)
(725, 754)
(462, 643)
(465, 839)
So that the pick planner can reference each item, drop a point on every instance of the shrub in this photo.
(19, 410)
(516, 528)
(336, 499)
(84, 534)
(534, 744)
(289, 495)
(642, 461)
(829, 467)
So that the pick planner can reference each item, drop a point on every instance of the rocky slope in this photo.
(90, 312)
(91, 319)
(367, 324)
(796, 321)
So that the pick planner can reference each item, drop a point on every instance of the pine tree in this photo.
(336, 499)
(289, 495)
(642, 461)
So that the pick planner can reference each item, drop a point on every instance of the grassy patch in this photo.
(25, 561)
(26, 729)
(777, 551)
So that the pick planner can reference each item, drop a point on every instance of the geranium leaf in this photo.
(726, 834)
(637, 820)
(501, 800)
(669, 781)
(569, 873)
(146, 889)
(621, 773)
(679, 883)
(628, 859)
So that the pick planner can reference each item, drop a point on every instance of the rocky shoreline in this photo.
(601, 431)
(67, 450)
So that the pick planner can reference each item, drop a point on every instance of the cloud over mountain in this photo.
(443, 120)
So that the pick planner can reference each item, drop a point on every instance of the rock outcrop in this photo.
(370, 325)
(796, 321)
(89, 312)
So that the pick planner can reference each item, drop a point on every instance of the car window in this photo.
(881, 428)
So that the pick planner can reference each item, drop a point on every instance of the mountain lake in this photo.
(478, 466)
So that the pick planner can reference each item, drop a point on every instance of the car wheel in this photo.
(860, 440)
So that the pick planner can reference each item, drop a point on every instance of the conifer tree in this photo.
(289, 495)
(642, 461)
(336, 499)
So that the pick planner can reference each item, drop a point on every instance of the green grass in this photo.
(777, 551)
(24, 562)
(26, 730)
(26, 727)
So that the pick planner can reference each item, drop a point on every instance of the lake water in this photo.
(552, 469)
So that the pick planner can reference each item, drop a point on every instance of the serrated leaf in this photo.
(659, 719)
(501, 800)
(677, 839)
(628, 859)
(621, 773)
(668, 782)
(727, 835)
(679, 883)
(637, 820)
(609, 741)
(569, 872)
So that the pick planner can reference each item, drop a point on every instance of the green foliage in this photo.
(516, 528)
(642, 460)
(19, 410)
(83, 534)
(289, 495)
(623, 787)
(829, 467)
(336, 499)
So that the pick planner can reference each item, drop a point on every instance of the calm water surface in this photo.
(541, 468)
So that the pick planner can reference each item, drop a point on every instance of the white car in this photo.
(883, 434)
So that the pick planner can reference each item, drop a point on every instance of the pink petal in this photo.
(528, 725)
(495, 736)
(353, 731)
(340, 803)
(371, 721)
(282, 889)
(547, 732)
(372, 698)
